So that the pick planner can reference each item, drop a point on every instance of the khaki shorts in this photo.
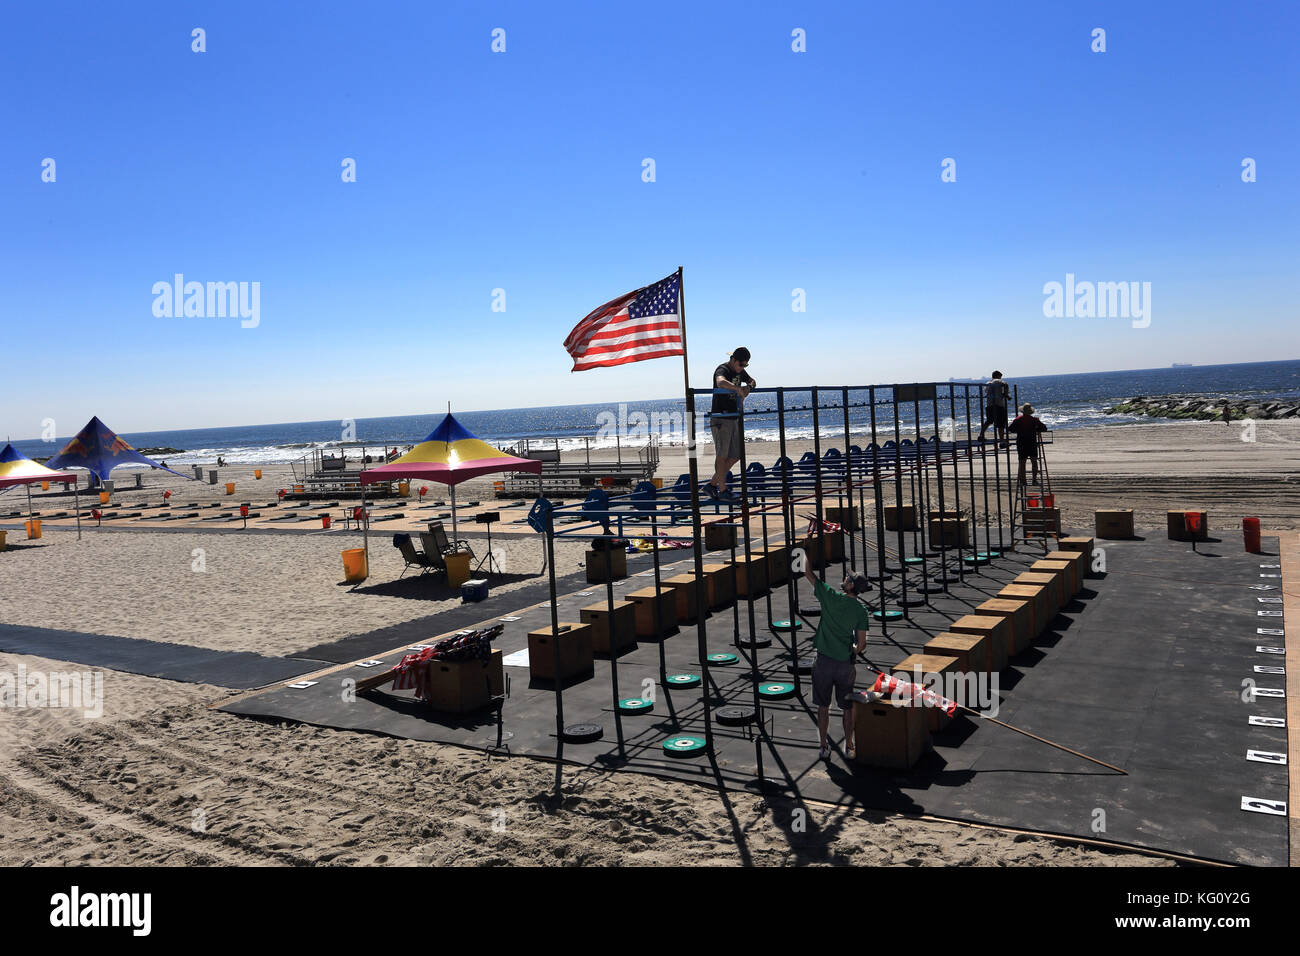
(726, 437)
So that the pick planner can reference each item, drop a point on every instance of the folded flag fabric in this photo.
(829, 527)
(645, 324)
(412, 671)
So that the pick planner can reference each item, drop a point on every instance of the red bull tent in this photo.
(17, 469)
(451, 454)
(99, 450)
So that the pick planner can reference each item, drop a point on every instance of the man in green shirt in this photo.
(844, 622)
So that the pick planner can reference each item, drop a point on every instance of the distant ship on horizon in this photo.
(1183, 365)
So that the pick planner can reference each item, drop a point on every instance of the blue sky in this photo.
(522, 170)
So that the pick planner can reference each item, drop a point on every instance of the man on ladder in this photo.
(1036, 522)
(1027, 429)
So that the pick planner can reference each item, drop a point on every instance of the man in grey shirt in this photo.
(724, 421)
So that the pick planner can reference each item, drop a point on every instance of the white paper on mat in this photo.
(516, 659)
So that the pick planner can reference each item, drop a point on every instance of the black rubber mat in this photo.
(178, 662)
(360, 646)
(1143, 670)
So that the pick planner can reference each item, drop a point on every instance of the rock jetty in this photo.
(1206, 409)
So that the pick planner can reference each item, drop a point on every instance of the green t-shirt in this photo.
(842, 617)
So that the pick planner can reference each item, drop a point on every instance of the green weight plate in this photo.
(682, 680)
(635, 705)
(722, 659)
(775, 690)
(685, 745)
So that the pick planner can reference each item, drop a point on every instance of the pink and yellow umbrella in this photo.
(17, 469)
(451, 454)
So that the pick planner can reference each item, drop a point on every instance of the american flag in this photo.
(644, 324)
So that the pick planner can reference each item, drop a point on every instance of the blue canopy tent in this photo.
(99, 450)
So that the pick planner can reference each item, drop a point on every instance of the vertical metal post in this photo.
(555, 654)
(956, 483)
(879, 494)
(609, 634)
(696, 524)
(787, 518)
(848, 483)
(922, 507)
(938, 472)
(898, 500)
(970, 461)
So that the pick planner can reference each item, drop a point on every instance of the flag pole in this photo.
(697, 529)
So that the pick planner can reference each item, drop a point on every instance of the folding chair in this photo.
(439, 535)
(412, 557)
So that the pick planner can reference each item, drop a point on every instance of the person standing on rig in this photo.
(724, 422)
(996, 393)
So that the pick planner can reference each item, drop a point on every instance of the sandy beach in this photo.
(160, 777)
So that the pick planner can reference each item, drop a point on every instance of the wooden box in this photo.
(778, 563)
(949, 529)
(1055, 595)
(645, 602)
(1019, 614)
(751, 575)
(1080, 545)
(596, 565)
(574, 647)
(891, 518)
(1114, 523)
(889, 733)
(846, 516)
(1077, 544)
(1065, 569)
(686, 592)
(1039, 597)
(971, 650)
(720, 581)
(621, 624)
(916, 667)
(1040, 521)
(719, 537)
(832, 549)
(458, 687)
(996, 630)
(1079, 559)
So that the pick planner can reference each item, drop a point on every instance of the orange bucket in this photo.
(33, 528)
(257, 473)
(354, 565)
(103, 497)
(45, 486)
(230, 487)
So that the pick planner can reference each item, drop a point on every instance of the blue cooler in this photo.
(472, 591)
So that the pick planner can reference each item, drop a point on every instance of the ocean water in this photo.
(1062, 402)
